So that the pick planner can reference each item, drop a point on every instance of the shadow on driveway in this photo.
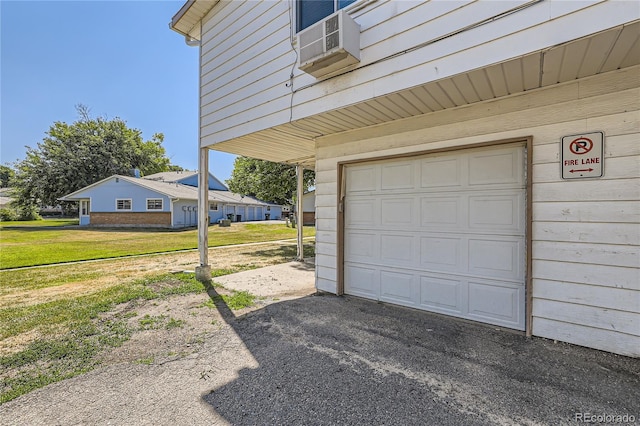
(343, 360)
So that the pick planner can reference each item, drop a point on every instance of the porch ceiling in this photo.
(294, 142)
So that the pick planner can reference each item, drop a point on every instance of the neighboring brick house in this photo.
(309, 208)
(153, 202)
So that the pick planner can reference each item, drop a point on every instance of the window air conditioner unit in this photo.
(329, 45)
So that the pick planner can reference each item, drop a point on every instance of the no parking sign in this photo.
(582, 156)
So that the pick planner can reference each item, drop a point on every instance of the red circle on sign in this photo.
(581, 146)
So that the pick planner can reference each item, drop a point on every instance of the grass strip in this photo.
(76, 335)
(32, 246)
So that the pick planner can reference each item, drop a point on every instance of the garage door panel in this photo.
(362, 178)
(496, 167)
(398, 212)
(399, 175)
(496, 304)
(442, 232)
(362, 212)
(397, 249)
(495, 258)
(398, 288)
(442, 295)
(503, 213)
(362, 281)
(441, 173)
(441, 211)
(360, 246)
(442, 253)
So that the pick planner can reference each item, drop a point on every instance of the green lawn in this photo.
(39, 223)
(48, 242)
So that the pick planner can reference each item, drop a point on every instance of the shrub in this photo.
(29, 213)
(8, 215)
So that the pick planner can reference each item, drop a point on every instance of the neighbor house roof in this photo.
(172, 190)
(180, 176)
(171, 176)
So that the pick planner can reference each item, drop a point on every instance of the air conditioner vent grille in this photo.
(310, 35)
(333, 40)
(332, 24)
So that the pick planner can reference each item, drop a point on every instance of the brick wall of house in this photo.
(155, 219)
(308, 218)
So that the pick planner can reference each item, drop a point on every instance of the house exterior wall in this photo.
(275, 212)
(309, 209)
(308, 218)
(246, 212)
(84, 220)
(151, 219)
(247, 55)
(309, 202)
(103, 197)
(185, 213)
(216, 215)
(585, 234)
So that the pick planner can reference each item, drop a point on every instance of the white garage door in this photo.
(442, 232)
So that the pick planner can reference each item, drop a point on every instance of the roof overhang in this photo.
(187, 20)
(294, 142)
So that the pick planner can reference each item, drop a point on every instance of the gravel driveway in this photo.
(313, 359)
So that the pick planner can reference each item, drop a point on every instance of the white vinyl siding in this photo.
(585, 233)
(123, 204)
(154, 204)
(247, 57)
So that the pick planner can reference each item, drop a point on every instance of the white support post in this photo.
(299, 212)
(203, 272)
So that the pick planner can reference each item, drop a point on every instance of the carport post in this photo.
(299, 212)
(203, 272)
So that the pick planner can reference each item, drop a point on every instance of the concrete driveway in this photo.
(321, 359)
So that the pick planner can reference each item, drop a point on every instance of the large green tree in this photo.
(75, 155)
(6, 176)
(265, 180)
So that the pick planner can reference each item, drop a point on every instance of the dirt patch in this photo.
(13, 344)
(164, 330)
(178, 326)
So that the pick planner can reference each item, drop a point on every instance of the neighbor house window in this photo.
(311, 11)
(154, 203)
(213, 207)
(123, 204)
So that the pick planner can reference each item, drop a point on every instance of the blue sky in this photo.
(119, 58)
